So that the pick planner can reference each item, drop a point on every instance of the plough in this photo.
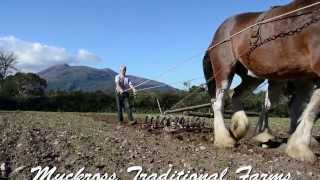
(188, 119)
(174, 122)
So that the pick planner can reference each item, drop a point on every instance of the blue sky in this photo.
(148, 36)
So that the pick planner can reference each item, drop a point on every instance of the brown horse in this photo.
(286, 48)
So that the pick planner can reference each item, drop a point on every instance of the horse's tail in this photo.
(209, 76)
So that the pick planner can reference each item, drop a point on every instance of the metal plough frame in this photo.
(188, 120)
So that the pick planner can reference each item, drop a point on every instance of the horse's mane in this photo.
(303, 1)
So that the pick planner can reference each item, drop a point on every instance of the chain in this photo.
(258, 44)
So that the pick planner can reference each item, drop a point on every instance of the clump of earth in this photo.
(71, 141)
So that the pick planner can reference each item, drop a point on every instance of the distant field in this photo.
(74, 140)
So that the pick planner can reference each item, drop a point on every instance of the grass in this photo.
(273, 121)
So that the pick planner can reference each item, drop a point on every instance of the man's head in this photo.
(123, 69)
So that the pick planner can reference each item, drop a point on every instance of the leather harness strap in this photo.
(256, 30)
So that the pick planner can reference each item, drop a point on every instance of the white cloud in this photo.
(34, 56)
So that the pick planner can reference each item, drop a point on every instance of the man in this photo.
(123, 85)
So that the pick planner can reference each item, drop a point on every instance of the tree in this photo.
(24, 85)
(7, 64)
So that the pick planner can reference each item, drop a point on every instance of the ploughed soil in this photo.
(70, 141)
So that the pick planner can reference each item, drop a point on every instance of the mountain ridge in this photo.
(65, 77)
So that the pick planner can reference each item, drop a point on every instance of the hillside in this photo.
(73, 78)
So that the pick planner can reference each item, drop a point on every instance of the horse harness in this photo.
(256, 40)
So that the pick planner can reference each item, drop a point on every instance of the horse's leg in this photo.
(239, 121)
(222, 138)
(299, 142)
(275, 90)
(295, 110)
(302, 91)
(262, 131)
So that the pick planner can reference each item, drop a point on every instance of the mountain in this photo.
(73, 78)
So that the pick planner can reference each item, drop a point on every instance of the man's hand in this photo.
(134, 92)
(120, 90)
(133, 89)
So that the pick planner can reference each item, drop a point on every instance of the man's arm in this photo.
(119, 88)
(132, 87)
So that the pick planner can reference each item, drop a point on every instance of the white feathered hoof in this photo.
(224, 141)
(263, 137)
(300, 151)
(239, 124)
